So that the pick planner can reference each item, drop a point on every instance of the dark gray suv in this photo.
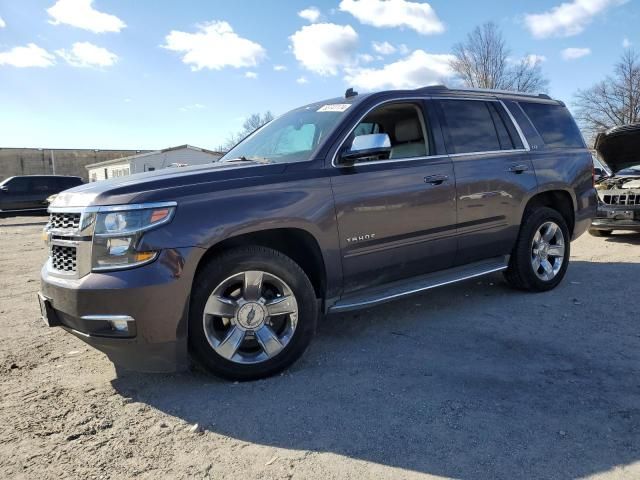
(337, 205)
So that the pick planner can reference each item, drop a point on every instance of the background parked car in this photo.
(30, 192)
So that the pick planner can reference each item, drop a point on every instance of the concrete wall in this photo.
(35, 161)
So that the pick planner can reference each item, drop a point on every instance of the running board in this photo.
(392, 291)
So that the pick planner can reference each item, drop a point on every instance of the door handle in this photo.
(518, 168)
(436, 179)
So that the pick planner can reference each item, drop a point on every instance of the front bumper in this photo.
(616, 218)
(154, 296)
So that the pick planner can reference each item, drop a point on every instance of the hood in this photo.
(620, 146)
(161, 185)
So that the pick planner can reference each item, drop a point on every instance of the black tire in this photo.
(239, 260)
(600, 233)
(520, 273)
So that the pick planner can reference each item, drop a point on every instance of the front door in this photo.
(396, 215)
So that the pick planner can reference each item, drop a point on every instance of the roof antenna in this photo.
(350, 93)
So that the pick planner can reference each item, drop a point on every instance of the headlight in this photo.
(118, 231)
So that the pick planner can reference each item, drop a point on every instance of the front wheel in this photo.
(540, 258)
(253, 313)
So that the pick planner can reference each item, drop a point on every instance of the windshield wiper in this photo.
(242, 158)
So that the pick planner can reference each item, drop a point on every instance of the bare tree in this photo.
(251, 124)
(613, 101)
(483, 61)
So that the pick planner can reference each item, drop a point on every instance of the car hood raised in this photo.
(620, 146)
(165, 183)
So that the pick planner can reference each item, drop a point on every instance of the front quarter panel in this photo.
(300, 197)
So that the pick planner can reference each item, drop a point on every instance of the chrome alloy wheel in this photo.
(250, 317)
(547, 251)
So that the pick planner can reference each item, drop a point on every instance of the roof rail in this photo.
(484, 90)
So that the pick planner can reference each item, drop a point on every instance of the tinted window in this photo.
(19, 184)
(40, 184)
(470, 126)
(509, 138)
(554, 124)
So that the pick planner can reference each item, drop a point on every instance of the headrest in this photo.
(408, 130)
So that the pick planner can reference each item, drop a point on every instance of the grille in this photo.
(63, 258)
(627, 199)
(66, 221)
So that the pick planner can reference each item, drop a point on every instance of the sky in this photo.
(151, 74)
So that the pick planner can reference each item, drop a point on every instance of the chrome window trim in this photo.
(523, 139)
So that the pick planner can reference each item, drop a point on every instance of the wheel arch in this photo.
(558, 199)
(298, 244)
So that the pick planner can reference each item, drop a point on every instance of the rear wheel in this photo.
(253, 313)
(540, 258)
(600, 233)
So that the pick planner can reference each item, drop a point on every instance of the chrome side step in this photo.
(392, 291)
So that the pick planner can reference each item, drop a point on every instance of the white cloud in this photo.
(365, 58)
(383, 48)
(311, 14)
(323, 48)
(2, 23)
(302, 80)
(214, 46)
(250, 75)
(194, 106)
(28, 56)
(81, 14)
(574, 53)
(85, 54)
(395, 13)
(626, 43)
(567, 19)
(279, 68)
(417, 70)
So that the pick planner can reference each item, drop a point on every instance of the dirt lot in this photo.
(471, 381)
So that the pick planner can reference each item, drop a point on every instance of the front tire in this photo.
(253, 313)
(540, 258)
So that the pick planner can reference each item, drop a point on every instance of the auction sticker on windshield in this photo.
(335, 107)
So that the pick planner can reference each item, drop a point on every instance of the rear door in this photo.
(41, 188)
(494, 175)
(396, 215)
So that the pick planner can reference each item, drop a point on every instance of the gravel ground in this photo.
(471, 381)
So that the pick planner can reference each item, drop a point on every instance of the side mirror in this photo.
(599, 172)
(4, 188)
(364, 146)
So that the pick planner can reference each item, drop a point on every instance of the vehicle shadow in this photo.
(632, 238)
(471, 381)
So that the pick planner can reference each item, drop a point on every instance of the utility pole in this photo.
(53, 162)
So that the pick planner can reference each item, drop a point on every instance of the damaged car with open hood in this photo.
(618, 180)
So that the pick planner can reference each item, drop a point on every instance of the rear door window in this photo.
(469, 126)
(554, 124)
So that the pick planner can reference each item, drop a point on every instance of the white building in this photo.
(146, 162)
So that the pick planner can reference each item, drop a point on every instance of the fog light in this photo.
(119, 325)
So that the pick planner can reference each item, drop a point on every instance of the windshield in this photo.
(289, 138)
